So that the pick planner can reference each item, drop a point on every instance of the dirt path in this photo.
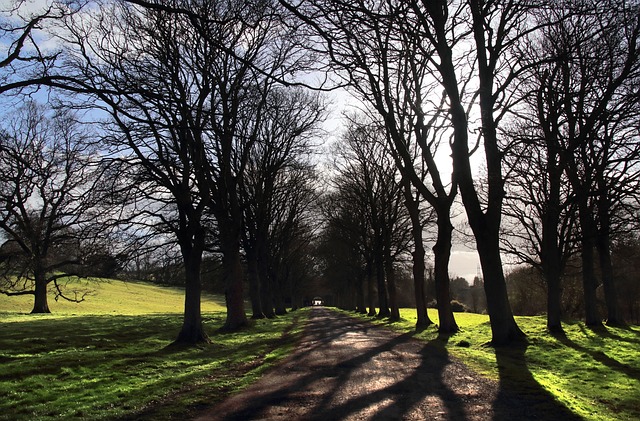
(345, 369)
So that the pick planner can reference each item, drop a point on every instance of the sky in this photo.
(464, 258)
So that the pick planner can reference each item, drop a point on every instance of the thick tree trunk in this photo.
(40, 302)
(603, 243)
(554, 300)
(254, 285)
(192, 331)
(504, 328)
(232, 272)
(442, 255)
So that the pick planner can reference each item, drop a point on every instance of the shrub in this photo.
(458, 307)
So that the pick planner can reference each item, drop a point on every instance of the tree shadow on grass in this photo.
(601, 357)
(606, 332)
(520, 396)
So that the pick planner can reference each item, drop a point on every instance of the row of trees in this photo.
(547, 91)
(205, 140)
(202, 144)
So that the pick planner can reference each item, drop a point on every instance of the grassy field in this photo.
(594, 373)
(109, 358)
(113, 297)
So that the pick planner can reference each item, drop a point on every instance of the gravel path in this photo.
(346, 369)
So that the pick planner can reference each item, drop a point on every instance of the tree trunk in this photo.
(603, 243)
(40, 302)
(371, 296)
(422, 316)
(266, 295)
(232, 272)
(383, 303)
(394, 314)
(550, 252)
(192, 331)
(614, 315)
(278, 293)
(589, 281)
(442, 255)
(254, 284)
(483, 219)
(554, 300)
(361, 307)
(504, 328)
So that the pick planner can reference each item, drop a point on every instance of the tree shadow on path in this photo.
(347, 369)
(424, 393)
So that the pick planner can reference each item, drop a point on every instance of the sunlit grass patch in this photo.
(109, 358)
(108, 367)
(594, 373)
(112, 297)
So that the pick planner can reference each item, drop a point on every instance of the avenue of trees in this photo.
(193, 129)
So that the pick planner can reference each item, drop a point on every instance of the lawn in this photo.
(109, 358)
(594, 373)
(113, 297)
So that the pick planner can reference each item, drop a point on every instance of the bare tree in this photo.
(186, 85)
(369, 177)
(344, 251)
(474, 42)
(540, 208)
(48, 200)
(378, 51)
(596, 62)
(540, 224)
(291, 231)
(27, 62)
(290, 121)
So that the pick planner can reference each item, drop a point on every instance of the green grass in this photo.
(85, 362)
(594, 373)
(112, 297)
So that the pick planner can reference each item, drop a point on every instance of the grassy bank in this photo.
(594, 373)
(112, 297)
(85, 362)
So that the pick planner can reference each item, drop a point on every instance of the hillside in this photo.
(115, 297)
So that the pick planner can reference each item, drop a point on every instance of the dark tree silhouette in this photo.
(379, 53)
(186, 87)
(48, 203)
(588, 111)
(367, 176)
(284, 142)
